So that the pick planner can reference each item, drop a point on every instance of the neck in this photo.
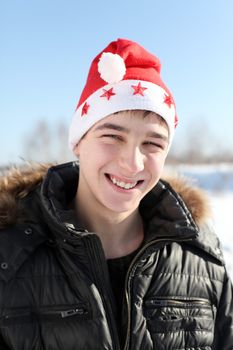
(120, 233)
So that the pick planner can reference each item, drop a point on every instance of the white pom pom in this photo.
(111, 67)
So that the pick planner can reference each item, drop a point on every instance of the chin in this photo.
(122, 207)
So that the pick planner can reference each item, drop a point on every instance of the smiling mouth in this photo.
(122, 184)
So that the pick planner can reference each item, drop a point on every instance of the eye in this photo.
(155, 145)
(112, 136)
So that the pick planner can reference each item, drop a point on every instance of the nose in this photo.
(131, 160)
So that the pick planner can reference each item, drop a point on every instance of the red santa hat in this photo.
(124, 76)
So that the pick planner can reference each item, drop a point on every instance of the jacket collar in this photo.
(162, 207)
(172, 209)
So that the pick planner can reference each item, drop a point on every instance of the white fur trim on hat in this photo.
(111, 67)
(99, 107)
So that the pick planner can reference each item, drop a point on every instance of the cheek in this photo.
(93, 157)
(106, 152)
(155, 164)
(109, 150)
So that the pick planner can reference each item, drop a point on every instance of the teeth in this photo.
(122, 184)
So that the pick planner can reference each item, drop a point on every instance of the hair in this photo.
(132, 112)
(145, 113)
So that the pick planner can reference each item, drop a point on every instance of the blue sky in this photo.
(47, 47)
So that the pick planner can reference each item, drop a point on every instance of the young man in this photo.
(105, 254)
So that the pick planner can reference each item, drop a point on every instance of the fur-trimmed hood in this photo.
(16, 183)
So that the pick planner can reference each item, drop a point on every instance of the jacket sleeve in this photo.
(224, 318)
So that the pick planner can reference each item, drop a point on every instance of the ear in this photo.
(76, 150)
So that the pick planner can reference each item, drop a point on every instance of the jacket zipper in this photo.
(128, 280)
(177, 302)
(105, 292)
(73, 312)
(56, 314)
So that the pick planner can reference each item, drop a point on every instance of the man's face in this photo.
(121, 160)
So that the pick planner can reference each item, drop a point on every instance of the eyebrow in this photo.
(111, 126)
(157, 135)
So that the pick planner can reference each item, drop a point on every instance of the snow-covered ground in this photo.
(217, 180)
(222, 204)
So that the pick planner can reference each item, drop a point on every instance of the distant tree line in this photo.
(47, 143)
(199, 146)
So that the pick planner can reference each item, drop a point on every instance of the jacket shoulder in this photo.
(15, 184)
(16, 245)
(197, 202)
(195, 199)
(20, 233)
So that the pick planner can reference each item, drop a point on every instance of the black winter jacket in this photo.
(55, 292)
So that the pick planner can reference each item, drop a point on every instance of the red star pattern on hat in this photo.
(85, 108)
(138, 89)
(108, 93)
(168, 100)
